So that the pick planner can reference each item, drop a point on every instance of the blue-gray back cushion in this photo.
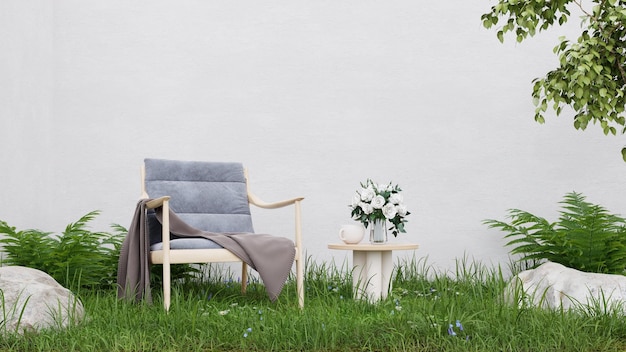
(210, 196)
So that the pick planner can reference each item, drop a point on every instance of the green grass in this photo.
(214, 316)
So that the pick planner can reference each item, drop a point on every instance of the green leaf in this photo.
(539, 119)
(602, 92)
(579, 92)
(535, 101)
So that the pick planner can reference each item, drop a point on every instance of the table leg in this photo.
(387, 272)
(371, 278)
(359, 274)
(374, 275)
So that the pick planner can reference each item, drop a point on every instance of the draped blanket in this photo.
(271, 256)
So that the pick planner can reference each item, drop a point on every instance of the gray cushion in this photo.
(210, 196)
(187, 243)
(156, 234)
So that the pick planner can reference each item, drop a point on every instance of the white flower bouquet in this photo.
(380, 202)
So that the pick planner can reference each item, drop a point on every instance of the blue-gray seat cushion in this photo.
(187, 243)
(210, 196)
(156, 233)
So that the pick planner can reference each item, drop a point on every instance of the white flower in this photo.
(401, 208)
(367, 194)
(390, 211)
(396, 198)
(378, 202)
(355, 201)
(367, 208)
(224, 312)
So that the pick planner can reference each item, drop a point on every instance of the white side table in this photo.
(373, 266)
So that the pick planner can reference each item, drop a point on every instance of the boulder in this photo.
(31, 300)
(555, 286)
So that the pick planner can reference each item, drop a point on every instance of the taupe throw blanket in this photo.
(271, 256)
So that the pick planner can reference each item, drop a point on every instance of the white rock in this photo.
(31, 300)
(555, 286)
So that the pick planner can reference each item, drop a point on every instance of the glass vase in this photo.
(378, 232)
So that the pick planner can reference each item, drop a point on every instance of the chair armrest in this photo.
(254, 200)
(158, 202)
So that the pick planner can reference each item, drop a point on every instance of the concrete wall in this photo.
(313, 97)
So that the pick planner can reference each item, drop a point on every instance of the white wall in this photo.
(313, 97)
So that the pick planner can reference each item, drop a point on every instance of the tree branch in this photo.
(622, 71)
(580, 5)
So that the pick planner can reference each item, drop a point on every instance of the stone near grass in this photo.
(32, 300)
(554, 286)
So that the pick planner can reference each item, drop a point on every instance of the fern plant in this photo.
(77, 256)
(28, 246)
(586, 236)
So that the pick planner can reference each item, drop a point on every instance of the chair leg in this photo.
(300, 281)
(167, 290)
(244, 277)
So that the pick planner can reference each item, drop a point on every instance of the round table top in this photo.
(366, 246)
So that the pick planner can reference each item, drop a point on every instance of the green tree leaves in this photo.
(525, 18)
(591, 77)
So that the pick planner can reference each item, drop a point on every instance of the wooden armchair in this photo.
(210, 196)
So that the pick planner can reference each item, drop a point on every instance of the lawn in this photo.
(426, 311)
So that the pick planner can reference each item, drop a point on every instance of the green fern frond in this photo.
(80, 225)
(585, 237)
(77, 256)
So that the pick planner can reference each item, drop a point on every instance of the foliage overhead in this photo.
(586, 236)
(591, 77)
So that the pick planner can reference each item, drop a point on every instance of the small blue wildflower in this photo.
(451, 330)
(249, 329)
(397, 302)
(245, 334)
(459, 325)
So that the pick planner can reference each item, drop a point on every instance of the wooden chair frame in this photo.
(167, 256)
